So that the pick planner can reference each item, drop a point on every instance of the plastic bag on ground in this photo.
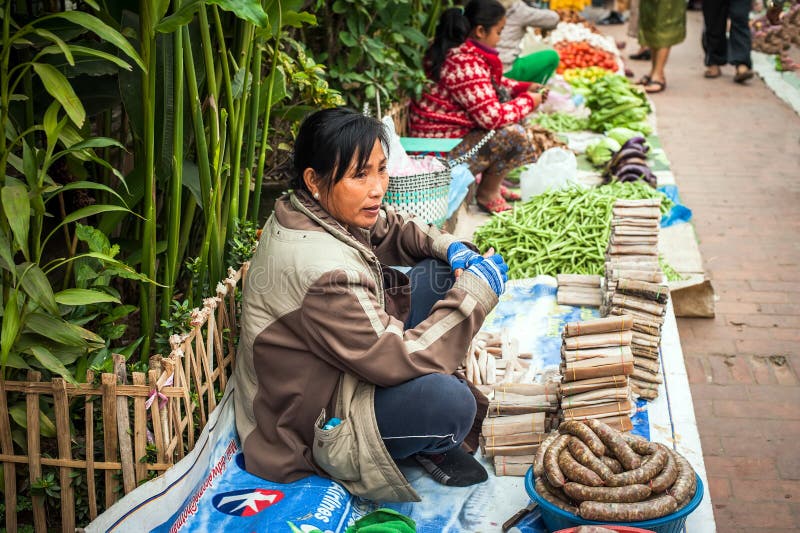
(556, 169)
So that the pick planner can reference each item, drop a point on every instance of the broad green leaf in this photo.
(36, 285)
(59, 88)
(6, 255)
(59, 330)
(182, 16)
(50, 36)
(240, 79)
(249, 10)
(83, 297)
(17, 207)
(94, 5)
(347, 38)
(51, 363)
(11, 326)
(51, 123)
(118, 312)
(97, 240)
(131, 348)
(191, 180)
(29, 165)
(103, 31)
(297, 20)
(19, 412)
(15, 361)
(90, 185)
(90, 210)
(92, 52)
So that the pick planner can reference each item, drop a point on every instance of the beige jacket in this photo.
(322, 325)
(519, 16)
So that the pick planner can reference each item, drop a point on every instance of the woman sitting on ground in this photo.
(328, 330)
(469, 96)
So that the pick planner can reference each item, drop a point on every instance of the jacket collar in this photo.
(358, 238)
(489, 55)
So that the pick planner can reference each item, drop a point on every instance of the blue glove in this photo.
(493, 270)
(459, 256)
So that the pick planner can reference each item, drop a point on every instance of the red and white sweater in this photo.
(465, 99)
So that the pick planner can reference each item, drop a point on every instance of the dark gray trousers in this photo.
(432, 413)
(719, 47)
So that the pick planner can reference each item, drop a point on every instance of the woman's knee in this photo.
(513, 134)
(452, 400)
(550, 58)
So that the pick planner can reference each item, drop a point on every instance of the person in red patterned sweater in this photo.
(469, 96)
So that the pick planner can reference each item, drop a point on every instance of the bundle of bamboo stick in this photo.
(633, 245)
(579, 289)
(647, 303)
(517, 421)
(596, 362)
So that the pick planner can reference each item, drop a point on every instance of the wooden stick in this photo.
(34, 454)
(90, 480)
(568, 296)
(139, 431)
(63, 435)
(641, 202)
(124, 428)
(521, 449)
(514, 439)
(109, 387)
(9, 470)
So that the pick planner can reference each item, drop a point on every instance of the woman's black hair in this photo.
(455, 26)
(328, 141)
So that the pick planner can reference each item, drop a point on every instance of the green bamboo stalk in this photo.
(211, 77)
(148, 290)
(5, 95)
(203, 161)
(262, 156)
(238, 140)
(230, 192)
(176, 183)
(253, 126)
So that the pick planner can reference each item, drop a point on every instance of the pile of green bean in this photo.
(560, 232)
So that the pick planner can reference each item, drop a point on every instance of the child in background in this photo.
(538, 66)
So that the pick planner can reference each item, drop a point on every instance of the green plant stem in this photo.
(262, 155)
(229, 199)
(211, 78)
(148, 292)
(176, 183)
(201, 146)
(242, 181)
(252, 128)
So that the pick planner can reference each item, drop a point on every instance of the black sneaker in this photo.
(455, 468)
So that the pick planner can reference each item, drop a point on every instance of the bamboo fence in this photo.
(148, 421)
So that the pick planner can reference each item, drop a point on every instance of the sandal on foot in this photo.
(511, 196)
(644, 80)
(743, 75)
(498, 205)
(712, 72)
(659, 86)
(644, 55)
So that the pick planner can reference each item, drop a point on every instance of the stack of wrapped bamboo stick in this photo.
(634, 286)
(633, 245)
(596, 362)
(579, 289)
(646, 303)
(519, 417)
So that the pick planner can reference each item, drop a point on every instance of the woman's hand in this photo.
(460, 257)
(534, 87)
(538, 98)
(493, 270)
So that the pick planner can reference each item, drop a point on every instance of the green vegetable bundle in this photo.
(560, 232)
(616, 103)
(561, 122)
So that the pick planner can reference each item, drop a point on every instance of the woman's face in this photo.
(489, 36)
(355, 200)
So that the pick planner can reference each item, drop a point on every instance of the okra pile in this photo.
(560, 232)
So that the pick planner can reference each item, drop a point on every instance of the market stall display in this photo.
(596, 362)
(615, 102)
(559, 232)
(582, 54)
(598, 473)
